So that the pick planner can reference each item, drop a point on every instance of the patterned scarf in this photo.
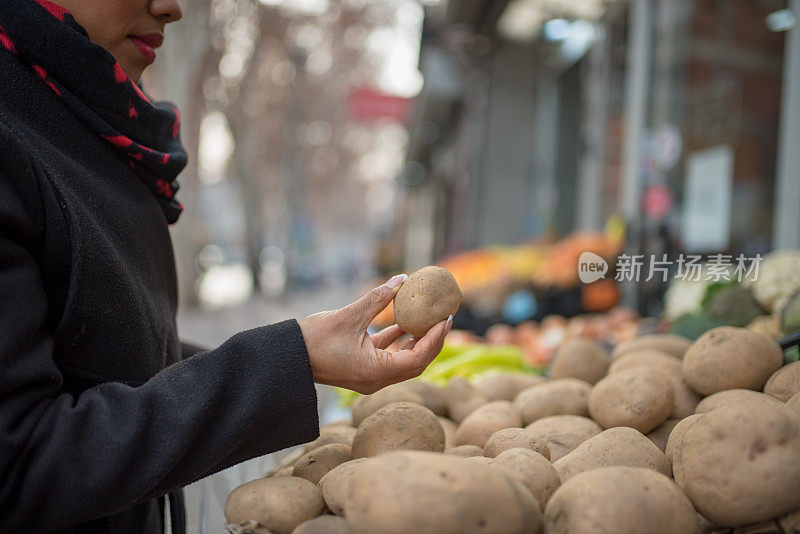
(92, 84)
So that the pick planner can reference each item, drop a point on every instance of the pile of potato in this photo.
(661, 436)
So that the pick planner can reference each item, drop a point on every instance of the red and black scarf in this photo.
(92, 84)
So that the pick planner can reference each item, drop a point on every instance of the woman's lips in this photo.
(147, 44)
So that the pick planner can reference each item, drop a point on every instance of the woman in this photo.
(103, 411)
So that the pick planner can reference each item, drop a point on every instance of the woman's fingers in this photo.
(409, 343)
(424, 349)
(387, 336)
(364, 310)
(342, 354)
(429, 346)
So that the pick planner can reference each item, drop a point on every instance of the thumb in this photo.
(367, 307)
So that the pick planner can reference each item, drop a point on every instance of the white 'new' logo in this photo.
(591, 267)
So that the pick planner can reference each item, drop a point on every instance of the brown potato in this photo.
(532, 469)
(246, 527)
(512, 438)
(740, 464)
(646, 357)
(366, 405)
(332, 434)
(428, 297)
(790, 522)
(433, 397)
(286, 460)
(278, 504)
(450, 429)
(660, 435)
(465, 451)
(315, 464)
(784, 382)
(704, 526)
(419, 492)
(619, 500)
(462, 398)
(479, 459)
(675, 440)
(685, 397)
(324, 524)
(563, 433)
(731, 358)
(401, 425)
(478, 426)
(672, 344)
(506, 386)
(792, 408)
(335, 485)
(763, 527)
(580, 358)
(615, 446)
(283, 472)
(735, 396)
(567, 396)
(639, 397)
(339, 422)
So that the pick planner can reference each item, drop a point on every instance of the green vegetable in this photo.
(693, 325)
(469, 361)
(475, 360)
(734, 305)
(790, 315)
(712, 289)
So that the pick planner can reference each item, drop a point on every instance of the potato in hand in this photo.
(427, 298)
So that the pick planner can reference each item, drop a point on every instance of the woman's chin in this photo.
(134, 69)
(136, 76)
(131, 61)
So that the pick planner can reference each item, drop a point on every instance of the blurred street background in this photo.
(333, 144)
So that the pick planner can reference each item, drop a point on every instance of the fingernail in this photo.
(449, 324)
(396, 280)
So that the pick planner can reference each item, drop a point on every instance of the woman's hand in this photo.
(343, 354)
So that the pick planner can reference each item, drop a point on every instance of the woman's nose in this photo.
(166, 10)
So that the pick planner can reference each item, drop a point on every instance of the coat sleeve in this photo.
(69, 459)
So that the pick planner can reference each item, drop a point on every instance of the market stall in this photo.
(604, 422)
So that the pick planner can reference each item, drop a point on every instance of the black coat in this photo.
(101, 411)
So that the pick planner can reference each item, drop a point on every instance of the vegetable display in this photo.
(530, 280)
(767, 300)
(659, 434)
(628, 499)
(475, 361)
